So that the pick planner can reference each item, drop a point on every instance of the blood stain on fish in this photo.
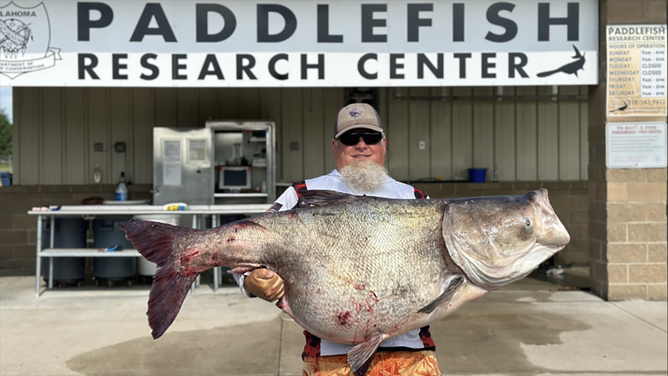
(188, 255)
(343, 317)
(359, 286)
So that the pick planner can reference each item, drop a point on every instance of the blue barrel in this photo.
(477, 175)
(106, 235)
(6, 178)
(68, 233)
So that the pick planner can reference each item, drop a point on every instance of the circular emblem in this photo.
(356, 112)
(14, 36)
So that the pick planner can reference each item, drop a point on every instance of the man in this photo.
(359, 149)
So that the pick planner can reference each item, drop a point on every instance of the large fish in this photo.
(359, 270)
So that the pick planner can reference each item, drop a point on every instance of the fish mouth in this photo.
(492, 277)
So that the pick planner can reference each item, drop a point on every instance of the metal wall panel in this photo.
(248, 103)
(548, 137)
(527, 140)
(419, 121)
(165, 109)
(584, 135)
(397, 124)
(208, 106)
(290, 137)
(526, 133)
(28, 154)
(313, 132)
(97, 119)
(229, 103)
(75, 139)
(333, 98)
(483, 131)
(569, 136)
(186, 108)
(52, 136)
(505, 136)
(120, 131)
(143, 119)
(270, 108)
(462, 134)
(441, 136)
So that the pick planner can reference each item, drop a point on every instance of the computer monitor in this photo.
(234, 177)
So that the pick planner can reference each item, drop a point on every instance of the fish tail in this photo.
(548, 73)
(155, 241)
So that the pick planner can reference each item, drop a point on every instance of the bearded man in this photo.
(359, 149)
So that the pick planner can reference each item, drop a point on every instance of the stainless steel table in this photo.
(91, 211)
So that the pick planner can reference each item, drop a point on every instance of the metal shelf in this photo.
(91, 211)
(242, 195)
(86, 252)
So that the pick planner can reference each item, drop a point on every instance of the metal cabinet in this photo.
(183, 166)
(245, 161)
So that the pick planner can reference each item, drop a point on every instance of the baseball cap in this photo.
(357, 115)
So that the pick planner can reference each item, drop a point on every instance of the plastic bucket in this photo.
(477, 175)
(145, 267)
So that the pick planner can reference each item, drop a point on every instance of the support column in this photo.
(627, 225)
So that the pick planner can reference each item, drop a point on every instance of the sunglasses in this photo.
(352, 138)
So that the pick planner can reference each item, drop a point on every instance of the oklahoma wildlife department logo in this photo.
(25, 35)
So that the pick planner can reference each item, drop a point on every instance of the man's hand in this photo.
(264, 284)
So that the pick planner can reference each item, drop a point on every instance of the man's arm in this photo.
(264, 283)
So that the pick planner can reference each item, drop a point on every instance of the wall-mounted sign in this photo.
(635, 145)
(637, 70)
(252, 43)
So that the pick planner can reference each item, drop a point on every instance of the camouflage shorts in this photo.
(384, 363)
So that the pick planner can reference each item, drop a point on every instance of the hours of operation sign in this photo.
(636, 70)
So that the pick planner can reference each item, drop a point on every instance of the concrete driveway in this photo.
(527, 328)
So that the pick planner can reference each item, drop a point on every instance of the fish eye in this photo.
(527, 222)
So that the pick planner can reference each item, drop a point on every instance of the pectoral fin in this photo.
(450, 287)
(360, 356)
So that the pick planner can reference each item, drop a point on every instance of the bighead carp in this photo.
(359, 270)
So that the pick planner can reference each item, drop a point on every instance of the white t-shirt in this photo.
(334, 182)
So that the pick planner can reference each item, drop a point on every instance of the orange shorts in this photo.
(384, 363)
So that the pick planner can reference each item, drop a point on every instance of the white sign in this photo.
(637, 82)
(635, 145)
(251, 43)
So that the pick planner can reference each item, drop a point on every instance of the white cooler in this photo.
(145, 267)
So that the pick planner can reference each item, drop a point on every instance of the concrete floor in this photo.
(528, 328)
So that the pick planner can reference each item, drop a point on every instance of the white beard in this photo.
(364, 176)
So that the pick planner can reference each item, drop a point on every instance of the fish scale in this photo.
(359, 270)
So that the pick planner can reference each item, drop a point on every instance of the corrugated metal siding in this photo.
(527, 140)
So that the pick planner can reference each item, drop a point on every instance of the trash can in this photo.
(68, 233)
(6, 178)
(112, 269)
(477, 175)
(146, 268)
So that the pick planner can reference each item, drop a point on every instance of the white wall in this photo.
(528, 140)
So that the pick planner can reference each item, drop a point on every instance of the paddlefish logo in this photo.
(570, 68)
(25, 37)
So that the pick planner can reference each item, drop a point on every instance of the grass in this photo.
(6, 167)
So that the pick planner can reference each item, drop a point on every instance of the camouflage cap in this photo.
(357, 115)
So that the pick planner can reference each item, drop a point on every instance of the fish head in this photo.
(499, 240)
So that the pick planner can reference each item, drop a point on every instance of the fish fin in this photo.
(154, 241)
(451, 286)
(360, 356)
(321, 198)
